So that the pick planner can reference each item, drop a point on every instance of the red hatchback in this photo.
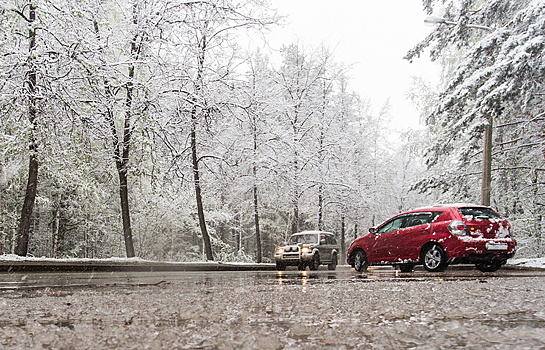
(436, 237)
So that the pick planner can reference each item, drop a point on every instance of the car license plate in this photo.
(496, 246)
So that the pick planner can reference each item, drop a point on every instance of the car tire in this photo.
(333, 264)
(360, 261)
(315, 263)
(280, 266)
(434, 258)
(301, 267)
(406, 267)
(489, 266)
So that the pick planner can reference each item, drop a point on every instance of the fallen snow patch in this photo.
(538, 262)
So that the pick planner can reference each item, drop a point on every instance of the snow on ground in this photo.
(118, 260)
(523, 262)
(14, 257)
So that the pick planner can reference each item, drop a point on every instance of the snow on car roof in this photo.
(451, 205)
(310, 232)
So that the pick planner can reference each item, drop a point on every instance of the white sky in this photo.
(371, 35)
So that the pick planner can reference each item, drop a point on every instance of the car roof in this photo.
(311, 232)
(447, 206)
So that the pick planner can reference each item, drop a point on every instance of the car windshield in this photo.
(477, 213)
(304, 239)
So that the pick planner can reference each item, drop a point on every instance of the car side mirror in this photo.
(373, 230)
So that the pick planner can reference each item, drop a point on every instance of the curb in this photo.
(109, 266)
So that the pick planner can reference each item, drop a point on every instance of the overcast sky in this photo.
(371, 35)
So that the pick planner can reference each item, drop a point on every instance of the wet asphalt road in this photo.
(381, 309)
(61, 280)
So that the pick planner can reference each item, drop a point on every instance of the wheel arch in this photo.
(353, 255)
(429, 244)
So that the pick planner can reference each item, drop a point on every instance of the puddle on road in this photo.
(34, 281)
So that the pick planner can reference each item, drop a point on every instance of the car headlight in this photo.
(280, 251)
(306, 250)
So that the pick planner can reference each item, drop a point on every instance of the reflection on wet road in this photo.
(304, 278)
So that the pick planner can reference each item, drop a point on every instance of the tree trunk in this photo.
(28, 205)
(3, 237)
(125, 213)
(320, 208)
(256, 202)
(295, 221)
(256, 222)
(198, 196)
(343, 249)
(295, 199)
(538, 227)
(32, 183)
(207, 246)
(55, 231)
(121, 149)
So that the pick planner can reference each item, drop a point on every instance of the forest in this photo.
(141, 128)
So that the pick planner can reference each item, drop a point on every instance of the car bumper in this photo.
(467, 249)
(293, 259)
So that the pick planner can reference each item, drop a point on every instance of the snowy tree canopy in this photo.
(148, 131)
(501, 68)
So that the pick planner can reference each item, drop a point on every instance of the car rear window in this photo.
(477, 213)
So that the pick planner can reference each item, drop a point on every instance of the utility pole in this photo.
(486, 182)
(487, 163)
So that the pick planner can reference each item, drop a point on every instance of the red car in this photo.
(436, 237)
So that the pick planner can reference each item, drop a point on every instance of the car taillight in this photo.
(457, 228)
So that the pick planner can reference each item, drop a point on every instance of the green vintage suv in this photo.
(308, 248)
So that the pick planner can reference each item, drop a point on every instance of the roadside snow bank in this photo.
(14, 257)
(536, 263)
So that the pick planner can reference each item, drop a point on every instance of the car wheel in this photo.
(434, 258)
(406, 267)
(280, 266)
(333, 264)
(489, 266)
(360, 261)
(315, 262)
(301, 267)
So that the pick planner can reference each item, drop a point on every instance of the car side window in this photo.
(420, 218)
(392, 225)
(417, 219)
